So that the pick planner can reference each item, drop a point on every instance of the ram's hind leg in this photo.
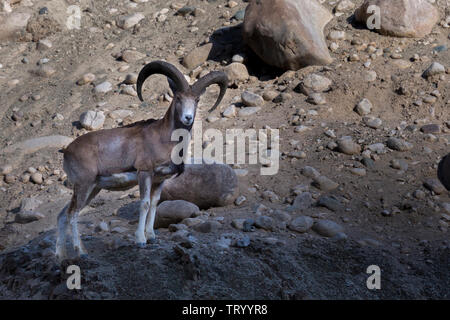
(83, 194)
(61, 234)
(154, 199)
(145, 185)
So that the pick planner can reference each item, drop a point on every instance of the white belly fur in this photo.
(118, 181)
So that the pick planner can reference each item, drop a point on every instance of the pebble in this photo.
(372, 122)
(370, 76)
(6, 169)
(251, 99)
(316, 99)
(238, 58)
(129, 21)
(301, 224)
(92, 120)
(327, 228)
(434, 185)
(197, 56)
(236, 72)
(430, 128)
(37, 178)
(86, 78)
(310, 172)
(302, 202)
(329, 202)
(347, 146)
(131, 78)
(240, 200)
(325, 184)
(230, 112)
(399, 164)
(358, 171)
(239, 15)
(243, 242)
(103, 226)
(314, 83)
(265, 222)
(24, 217)
(248, 111)
(399, 145)
(269, 95)
(128, 90)
(364, 107)
(103, 87)
(434, 69)
(207, 227)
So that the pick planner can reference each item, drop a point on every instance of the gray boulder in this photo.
(287, 34)
(206, 185)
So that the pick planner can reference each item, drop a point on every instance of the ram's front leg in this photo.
(154, 199)
(145, 185)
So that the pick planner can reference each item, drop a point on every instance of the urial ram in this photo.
(140, 153)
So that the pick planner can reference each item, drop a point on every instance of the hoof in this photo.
(60, 256)
(141, 245)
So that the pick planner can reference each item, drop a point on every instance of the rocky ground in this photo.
(360, 142)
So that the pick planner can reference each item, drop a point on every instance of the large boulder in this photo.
(173, 212)
(444, 171)
(287, 34)
(206, 185)
(401, 18)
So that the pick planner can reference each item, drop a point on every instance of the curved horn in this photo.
(444, 171)
(214, 77)
(161, 67)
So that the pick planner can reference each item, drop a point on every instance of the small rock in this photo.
(325, 184)
(197, 56)
(434, 185)
(248, 111)
(301, 224)
(230, 111)
(265, 222)
(330, 203)
(315, 83)
(347, 146)
(103, 87)
(302, 202)
(174, 211)
(37, 178)
(236, 72)
(251, 99)
(399, 145)
(430, 128)
(364, 107)
(240, 200)
(92, 120)
(435, 69)
(327, 228)
(87, 78)
(208, 226)
(24, 217)
(129, 21)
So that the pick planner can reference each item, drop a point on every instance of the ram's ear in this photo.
(172, 85)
